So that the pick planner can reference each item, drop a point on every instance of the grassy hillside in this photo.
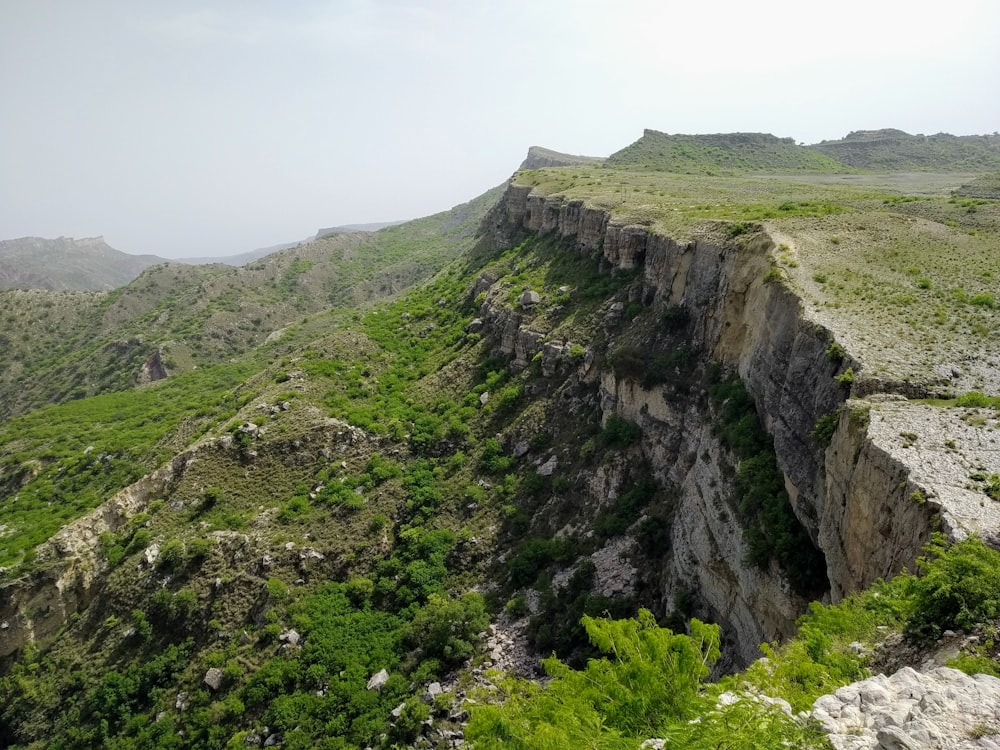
(189, 316)
(984, 186)
(722, 153)
(896, 151)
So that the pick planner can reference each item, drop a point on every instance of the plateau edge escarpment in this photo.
(627, 391)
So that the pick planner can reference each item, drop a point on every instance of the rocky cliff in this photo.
(868, 503)
(70, 566)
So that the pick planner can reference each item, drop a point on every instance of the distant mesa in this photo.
(892, 150)
(720, 153)
(881, 150)
(539, 158)
(347, 228)
(68, 264)
(241, 259)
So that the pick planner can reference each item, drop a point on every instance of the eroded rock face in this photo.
(70, 564)
(71, 567)
(867, 503)
(707, 546)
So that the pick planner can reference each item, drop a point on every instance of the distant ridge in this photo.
(720, 153)
(889, 149)
(539, 158)
(345, 228)
(67, 264)
(241, 259)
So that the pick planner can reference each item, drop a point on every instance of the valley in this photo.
(639, 408)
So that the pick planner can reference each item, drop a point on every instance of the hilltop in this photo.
(67, 264)
(895, 150)
(539, 157)
(726, 153)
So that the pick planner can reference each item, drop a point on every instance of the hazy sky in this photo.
(187, 128)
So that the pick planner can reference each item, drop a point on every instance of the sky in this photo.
(187, 128)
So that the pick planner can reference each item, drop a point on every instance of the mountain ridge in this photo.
(605, 392)
(68, 264)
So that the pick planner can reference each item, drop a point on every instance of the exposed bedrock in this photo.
(868, 507)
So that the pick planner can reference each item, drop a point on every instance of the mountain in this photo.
(895, 150)
(241, 259)
(67, 264)
(63, 346)
(613, 425)
(720, 152)
(539, 158)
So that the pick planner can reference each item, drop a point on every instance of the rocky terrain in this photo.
(613, 398)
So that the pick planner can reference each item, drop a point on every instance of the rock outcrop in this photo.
(69, 566)
(911, 710)
(868, 505)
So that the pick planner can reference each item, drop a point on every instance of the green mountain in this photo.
(728, 153)
(176, 317)
(894, 150)
(351, 494)
(66, 264)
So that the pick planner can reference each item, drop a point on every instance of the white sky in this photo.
(188, 128)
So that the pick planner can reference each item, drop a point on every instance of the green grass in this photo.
(724, 153)
(60, 462)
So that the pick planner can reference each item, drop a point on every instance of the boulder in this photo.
(529, 298)
(213, 678)
(377, 680)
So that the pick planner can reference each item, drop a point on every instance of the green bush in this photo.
(171, 556)
(448, 629)
(619, 432)
(537, 554)
(959, 587)
(649, 680)
(974, 399)
(822, 432)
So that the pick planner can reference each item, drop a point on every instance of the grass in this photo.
(724, 153)
(60, 462)
(898, 276)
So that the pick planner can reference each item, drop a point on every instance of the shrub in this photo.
(619, 432)
(984, 299)
(973, 399)
(835, 353)
(846, 377)
(822, 431)
(171, 556)
(958, 588)
(448, 629)
(774, 275)
(536, 555)
(676, 318)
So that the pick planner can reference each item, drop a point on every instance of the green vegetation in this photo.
(727, 153)
(770, 527)
(650, 681)
(893, 150)
(398, 464)
(65, 460)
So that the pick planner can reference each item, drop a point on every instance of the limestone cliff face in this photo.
(707, 546)
(854, 499)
